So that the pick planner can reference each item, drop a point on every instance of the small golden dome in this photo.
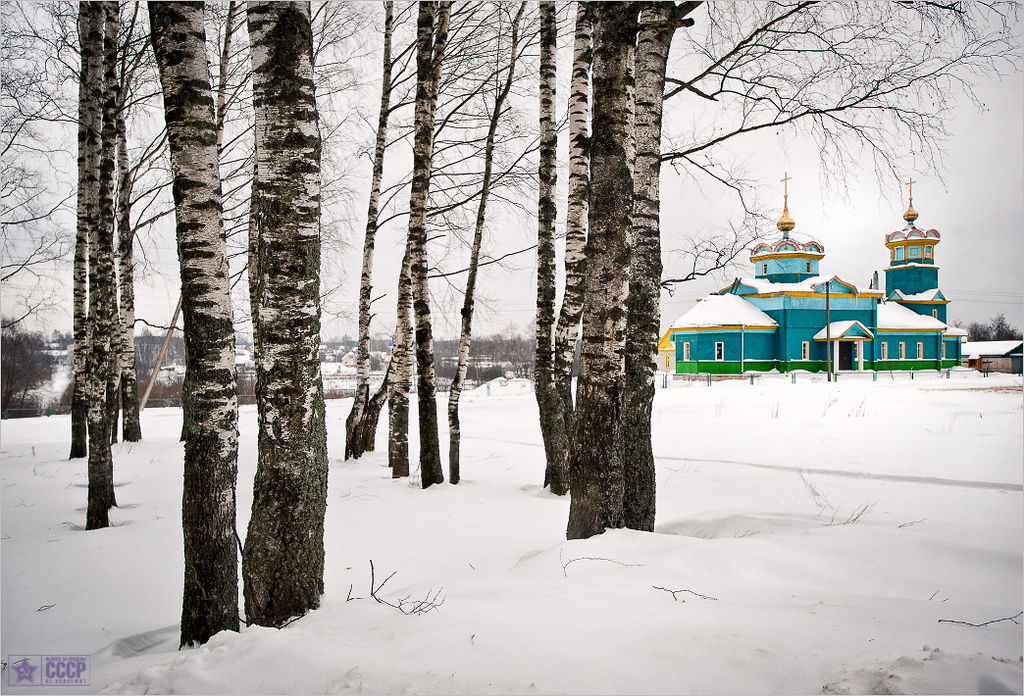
(911, 214)
(786, 222)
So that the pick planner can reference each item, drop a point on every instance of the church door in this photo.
(845, 355)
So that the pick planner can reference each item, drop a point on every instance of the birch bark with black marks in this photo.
(568, 327)
(209, 393)
(108, 212)
(431, 41)
(644, 305)
(90, 94)
(131, 428)
(595, 461)
(552, 424)
(372, 414)
(465, 336)
(101, 364)
(400, 369)
(359, 419)
(283, 558)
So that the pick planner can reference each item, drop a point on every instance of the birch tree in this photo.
(101, 363)
(283, 559)
(400, 369)
(658, 23)
(568, 326)
(131, 429)
(431, 41)
(209, 393)
(90, 120)
(595, 459)
(358, 422)
(552, 426)
(465, 336)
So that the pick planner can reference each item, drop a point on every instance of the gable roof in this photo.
(722, 310)
(814, 284)
(992, 348)
(926, 296)
(844, 329)
(892, 315)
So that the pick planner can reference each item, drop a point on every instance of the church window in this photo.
(935, 314)
(686, 350)
(903, 350)
(805, 350)
(764, 268)
(928, 250)
(719, 350)
(899, 253)
(943, 350)
(808, 266)
(915, 252)
(920, 350)
(885, 351)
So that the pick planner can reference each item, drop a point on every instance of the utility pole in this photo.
(160, 356)
(828, 331)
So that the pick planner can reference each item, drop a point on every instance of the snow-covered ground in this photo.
(811, 538)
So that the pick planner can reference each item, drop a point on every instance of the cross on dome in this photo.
(786, 222)
(911, 214)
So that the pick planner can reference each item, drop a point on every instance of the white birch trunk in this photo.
(103, 336)
(431, 41)
(595, 461)
(568, 328)
(400, 369)
(209, 394)
(644, 304)
(90, 94)
(356, 423)
(283, 559)
(552, 423)
(131, 429)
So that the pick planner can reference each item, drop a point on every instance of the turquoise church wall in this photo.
(786, 270)
(911, 279)
(754, 348)
(926, 310)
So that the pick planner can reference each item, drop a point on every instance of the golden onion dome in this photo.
(911, 214)
(786, 222)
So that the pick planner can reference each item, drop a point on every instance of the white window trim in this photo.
(717, 345)
(884, 355)
(903, 350)
(686, 351)
(805, 350)
(920, 350)
(943, 350)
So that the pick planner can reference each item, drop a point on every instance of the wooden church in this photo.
(787, 317)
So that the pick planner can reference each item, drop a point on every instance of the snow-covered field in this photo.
(811, 538)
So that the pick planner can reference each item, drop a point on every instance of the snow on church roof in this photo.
(926, 296)
(840, 329)
(895, 316)
(723, 310)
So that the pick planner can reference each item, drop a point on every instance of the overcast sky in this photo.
(976, 202)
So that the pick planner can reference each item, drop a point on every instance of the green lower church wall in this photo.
(693, 367)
